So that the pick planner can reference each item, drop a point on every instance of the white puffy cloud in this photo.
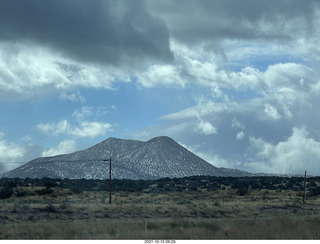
(275, 78)
(205, 127)
(92, 129)
(297, 153)
(27, 70)
(284, 96)
(236, 124)
(271, 112)
(64, 147)
(10, 152)
(167, 75)
(204, 68)
(24, 69)
(80, 125)
(240, 135)
(83, 129)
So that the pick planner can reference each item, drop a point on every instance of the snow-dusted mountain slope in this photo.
(157, 158)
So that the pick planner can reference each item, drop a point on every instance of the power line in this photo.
(70, 161)
(313, 173)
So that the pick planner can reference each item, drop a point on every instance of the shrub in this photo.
(255, 185)
(76, 190)
(49, 184)
(242, 191)
(313, 192)
(51, 209)
(64, 205)
(217, 204)
(21, 193)
(44, 191)
(6, 192)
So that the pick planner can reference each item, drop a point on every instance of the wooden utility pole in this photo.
(304, 187)
(110, 182)
(106, 160)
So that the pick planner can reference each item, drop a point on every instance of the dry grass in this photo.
(167, 228)
(173, 215)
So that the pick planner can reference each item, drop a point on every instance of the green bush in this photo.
(76, 190)
(242, 191)
(313, 192)
(51, 209)
(21, 193)
(6, 192)
(44, 191)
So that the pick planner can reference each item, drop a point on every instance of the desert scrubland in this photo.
(181, 208)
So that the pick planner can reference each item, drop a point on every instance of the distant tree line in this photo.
(240, 185)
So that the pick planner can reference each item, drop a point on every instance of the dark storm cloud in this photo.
(194, 21)
(96, 31)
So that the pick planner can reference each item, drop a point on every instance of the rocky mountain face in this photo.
(157, 158)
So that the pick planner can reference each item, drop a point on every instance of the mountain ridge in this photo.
(156, 158)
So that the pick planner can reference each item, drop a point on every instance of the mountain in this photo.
(157, 158)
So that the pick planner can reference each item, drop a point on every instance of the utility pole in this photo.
(106, 160)
(304, 186)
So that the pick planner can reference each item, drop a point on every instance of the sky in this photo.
(236, 82)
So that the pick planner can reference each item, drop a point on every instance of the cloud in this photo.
(10, 152)
(13, 155)
(246, 107)
(39, 63)
(250, 37)
(294, 155)
(79, 126)
(167, 75)
(83, 113)
(250, 70)
(91, 45)
(92, 113)
(206, 128)
(202, 108)
(236, 124)
(215, 159)
(30, 71)
(249, 19)
(201, 67)
(84, 129)
(64, 147)
(271, 112)
(102, 31)
(240, 135)
(73, 97)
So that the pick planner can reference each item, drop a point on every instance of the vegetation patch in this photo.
(182, 208)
